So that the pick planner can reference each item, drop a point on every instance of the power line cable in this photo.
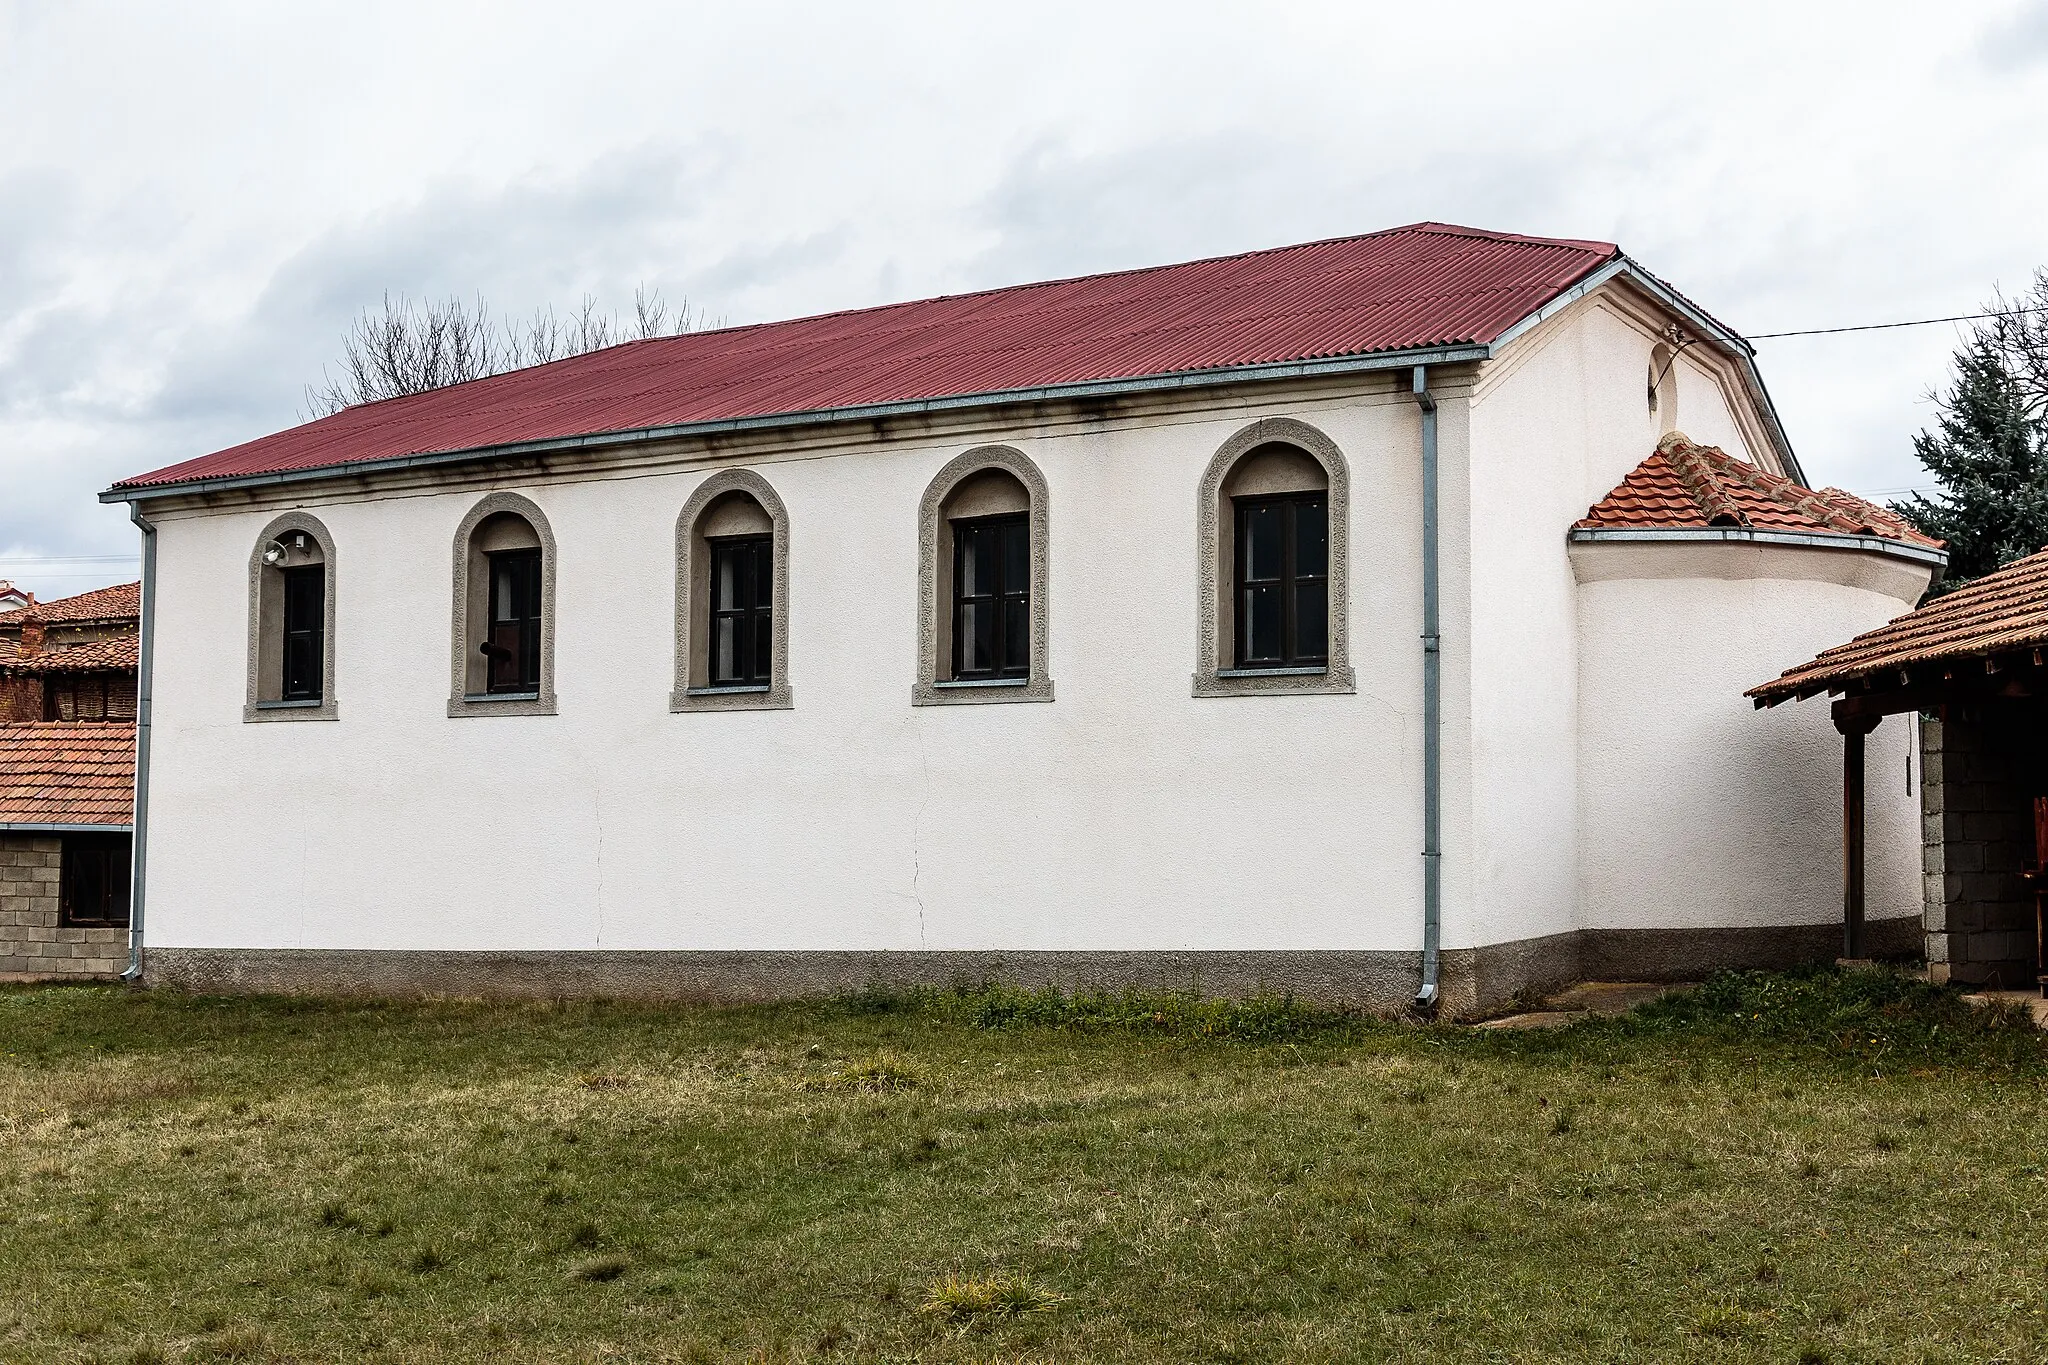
(1887, 326)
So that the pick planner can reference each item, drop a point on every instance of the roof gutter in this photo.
(1709, 328)
(1815, 540)
(145, 657)
(26, 827)
(1108, 388)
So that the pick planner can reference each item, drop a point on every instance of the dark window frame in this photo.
(754, 618)
(1011, 605)
(310, 635)
(1288, 582)
(525, 627)
(93, 881)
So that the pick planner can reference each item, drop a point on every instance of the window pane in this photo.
(725, 574)
(1311, 539)
(1262, 624)
(1262, 542)
(504, 655)
(303, 591)
(977, 637)
(977, 562)
(1016, 634)
(764, 647)
(1311, 621)
(725, 649)
(1016, 557)
(506, 608)
(764, 574)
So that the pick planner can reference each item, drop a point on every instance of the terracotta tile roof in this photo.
(1425, 285)
(1995, 614)
(122, 653)
(124, 600)
(58, 773)
(1685, 485)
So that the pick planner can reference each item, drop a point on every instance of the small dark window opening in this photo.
(742, 634)
(305, 628)
(1283, 581)
(80, 696)
(513, 646)
(93, 883)
(992, 598)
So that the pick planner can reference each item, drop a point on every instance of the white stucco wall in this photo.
(1694, 808)
(1562, 420)
(1124, 814)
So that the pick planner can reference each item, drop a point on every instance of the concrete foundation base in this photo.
(1474, 980)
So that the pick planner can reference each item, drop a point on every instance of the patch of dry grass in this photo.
(1774, 1169)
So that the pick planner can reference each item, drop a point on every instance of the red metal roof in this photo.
(1687, 485)
(67, 773)
(1425, 285)
(2000, 612)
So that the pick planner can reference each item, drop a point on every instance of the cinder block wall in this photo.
(1978, 833)
(32, 942)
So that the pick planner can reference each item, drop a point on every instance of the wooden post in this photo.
(1853, 729)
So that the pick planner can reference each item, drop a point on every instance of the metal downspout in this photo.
(1432, 709)
(139, 841)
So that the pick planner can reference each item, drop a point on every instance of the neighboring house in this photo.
(67, 775)
(12, 597)
(1239, 624)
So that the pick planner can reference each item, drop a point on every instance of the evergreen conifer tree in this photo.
(1989, 449)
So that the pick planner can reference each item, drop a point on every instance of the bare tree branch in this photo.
(404, 347)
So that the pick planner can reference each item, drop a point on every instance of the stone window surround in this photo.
(1214, 675)
(460, 701)
(256, 707)
(690, 610)
(930, 689)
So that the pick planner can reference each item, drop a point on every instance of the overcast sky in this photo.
(195, 199)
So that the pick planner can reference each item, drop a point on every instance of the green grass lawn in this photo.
(1814, 1168)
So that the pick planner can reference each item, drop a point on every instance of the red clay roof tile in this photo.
(2001, 611)
(121, 653)
(63, 773)
(123, 600)
(1687, 485)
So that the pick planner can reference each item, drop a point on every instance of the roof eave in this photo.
(1448, 354)
(31, 827)
(1760, 535)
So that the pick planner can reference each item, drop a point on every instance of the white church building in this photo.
(1349, 619)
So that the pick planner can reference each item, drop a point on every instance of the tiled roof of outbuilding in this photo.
(1996, 614)
(1421, 286)
(65, 773)
(121, 653)
(101, 604)
(1684, 484)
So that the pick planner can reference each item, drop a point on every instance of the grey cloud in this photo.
(2019, 42)
(1058, 212)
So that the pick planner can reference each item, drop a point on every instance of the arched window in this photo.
(503, 659)
(291, 622)
(1274, 511)
(1663, 388)
(983, 552)
(732, 597)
